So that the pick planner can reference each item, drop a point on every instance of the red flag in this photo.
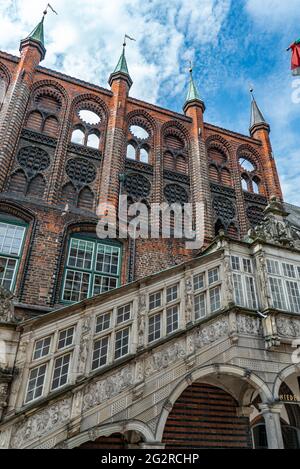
(295, 66)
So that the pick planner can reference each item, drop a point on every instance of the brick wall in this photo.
(205, 417)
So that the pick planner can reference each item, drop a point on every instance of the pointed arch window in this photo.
(139, 144)
(86, 132)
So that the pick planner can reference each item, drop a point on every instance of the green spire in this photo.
(121, 70)
(257, 118)
(122, 66)
(193, 93)
(38, 33)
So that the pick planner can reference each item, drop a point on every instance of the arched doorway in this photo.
(206, 417)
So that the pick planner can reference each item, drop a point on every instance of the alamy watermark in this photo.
(153, 221)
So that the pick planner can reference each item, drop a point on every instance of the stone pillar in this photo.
(271, 414)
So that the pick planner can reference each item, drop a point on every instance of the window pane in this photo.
(124, 314)
(107, 261)
(273, 267)
(155, 300)
(76, 286)
(199, 282)
(104, 284)
(66, 338)
(42, 348)
(289, 270)
(215, 299)
(294, 296)
(238, 290)
(200, 306)
(172, 294)
(100, 354)
(154, 328)
(61, 371)
(103, 322)
(81, 254)
(278, 298)
(235, 263)
(36, 383)
(7, 276)
(172, 319)
(251, 293)
(11, 239)
(213, 276)
(122, 344)
(247, 266)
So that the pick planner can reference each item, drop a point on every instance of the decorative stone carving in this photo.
(83, 354)
(7, 311)
(41, 424)
(189, 300)
(165, 358)
(275, 228)
(81, 172)
(141, 319)
(137, 186)
(98, 392)
(263, 279)
(33, 160)
(176, 194)
(4, 438)
(288, 327)
(211, 333)
(249, 325)
(228, 281)
(270, 332)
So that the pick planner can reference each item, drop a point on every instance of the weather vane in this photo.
(51, 8)
(127, 37)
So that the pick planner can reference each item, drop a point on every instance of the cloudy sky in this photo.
(232, 43)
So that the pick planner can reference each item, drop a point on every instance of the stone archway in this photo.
(206, 417)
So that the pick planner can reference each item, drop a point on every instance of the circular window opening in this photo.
(247, 165)
(139, 132)
(89, 117)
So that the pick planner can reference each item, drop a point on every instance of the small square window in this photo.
(172, 294)
(154, 328)
(42, 348)
(103, 322)
(213, 276)
(199, 282)
(235, 263)
(155, 300)
(66, 338)
(124, 314)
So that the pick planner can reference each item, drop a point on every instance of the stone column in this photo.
(271, 414)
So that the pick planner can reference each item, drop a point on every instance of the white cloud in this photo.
(85, 40)
(273, 13)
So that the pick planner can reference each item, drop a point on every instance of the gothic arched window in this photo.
(139, 144)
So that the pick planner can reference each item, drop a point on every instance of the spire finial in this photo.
(257, 118)
(122, 67)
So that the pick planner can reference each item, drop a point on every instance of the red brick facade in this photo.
(55, 186)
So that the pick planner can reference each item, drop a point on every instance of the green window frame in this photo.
(93, 267)
(12, 240)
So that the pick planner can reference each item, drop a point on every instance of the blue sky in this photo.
(232, 43)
